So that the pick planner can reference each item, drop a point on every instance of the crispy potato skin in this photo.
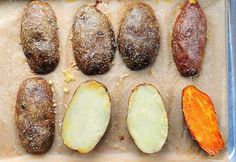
(35, 116)
(201, 119)
(138, 38)
(93, 41)
(39, 37)
(189, 39)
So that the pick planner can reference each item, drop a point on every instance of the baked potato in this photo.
(35, 116)
(39, 37)
(147, 119)
(93, 41)
(189, 39)
(201, 119)
(138, 40)
(87, 117)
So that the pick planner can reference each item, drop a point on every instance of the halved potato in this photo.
(87, 117)
(147, 119)
(201, 120)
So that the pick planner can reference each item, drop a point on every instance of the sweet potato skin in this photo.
(39, 37)
(35, 116)
(189, 39)
(93, 41)
(138, 39)
(201, 120)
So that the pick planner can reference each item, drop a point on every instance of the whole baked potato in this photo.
(93, 41)
(189, 39)
(138, 38)
(35, 116)
(39, 37)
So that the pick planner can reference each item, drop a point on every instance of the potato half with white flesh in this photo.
(147, 119)
(87, 117)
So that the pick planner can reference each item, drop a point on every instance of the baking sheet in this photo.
(231, 80)
(119, 81)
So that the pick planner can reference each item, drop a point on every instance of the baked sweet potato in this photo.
(138, 38)
(147, 119)
(35, 116)
(87, 117)
(201, 119)
(39, 37)
(189, 39)
(93, 41)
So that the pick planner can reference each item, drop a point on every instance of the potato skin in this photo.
(189, 39)
(39, 37)
(93, 41)
(138, 38)
(35, 116)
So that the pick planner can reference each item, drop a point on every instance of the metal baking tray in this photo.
(119, 155)
(231, 79)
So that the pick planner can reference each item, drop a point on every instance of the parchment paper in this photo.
(119, 81)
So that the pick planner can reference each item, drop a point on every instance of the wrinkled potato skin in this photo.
(35, 116)
(189, 39)
(93, 41)
(138, 38)
(39, 37)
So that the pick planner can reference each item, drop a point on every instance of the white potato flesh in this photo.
(87, 117)
(147, 119)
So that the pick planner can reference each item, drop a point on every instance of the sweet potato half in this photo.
(201, 119)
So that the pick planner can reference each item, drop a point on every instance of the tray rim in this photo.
(231, 76)
(231, 6)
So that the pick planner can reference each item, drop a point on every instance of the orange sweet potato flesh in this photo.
(201, 119)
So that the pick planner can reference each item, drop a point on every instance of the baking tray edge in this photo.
(231, 80)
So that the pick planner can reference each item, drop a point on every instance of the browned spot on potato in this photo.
(93, 41)
(39, 37)
(35, 116)
(138, 38)
(189, 39)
